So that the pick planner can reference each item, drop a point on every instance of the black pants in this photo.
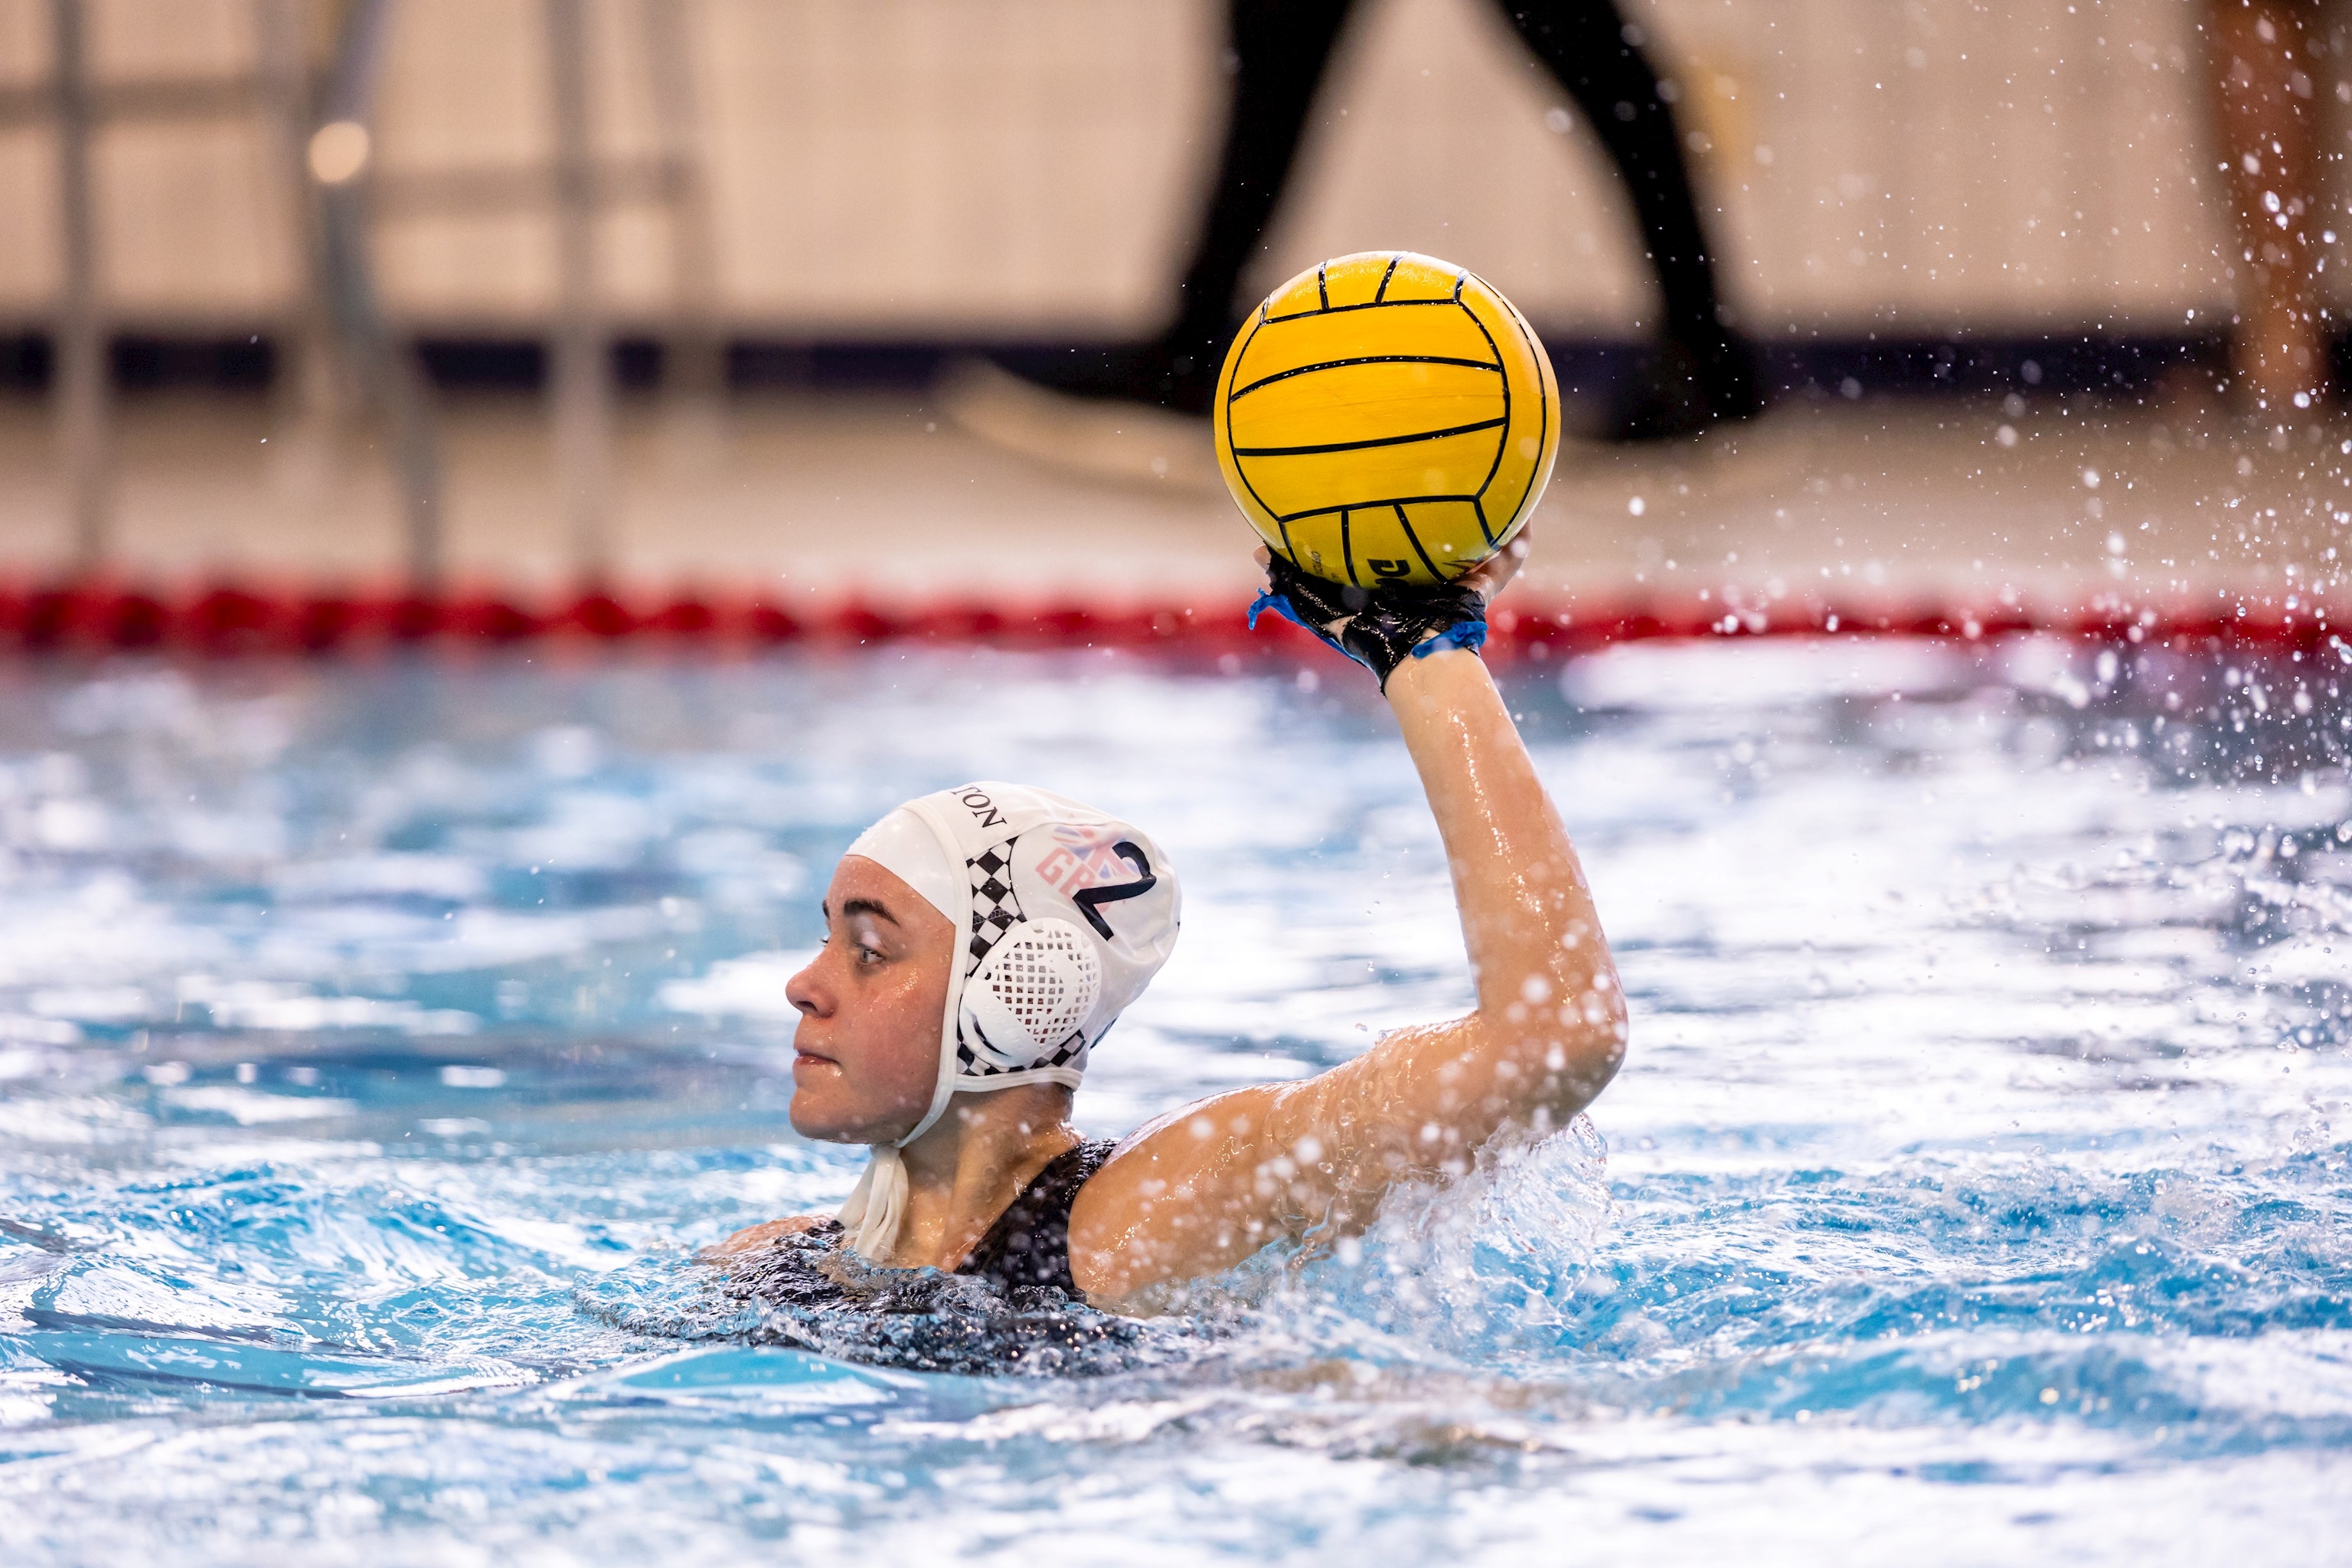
(1282, 47)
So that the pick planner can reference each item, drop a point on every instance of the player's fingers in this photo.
(1491, 575)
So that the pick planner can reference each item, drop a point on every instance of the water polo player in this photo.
(979, 942)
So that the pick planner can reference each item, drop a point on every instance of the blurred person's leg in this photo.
(1701, 372)
(1280, 49)
(2268, 126)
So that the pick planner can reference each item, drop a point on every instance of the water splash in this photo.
(1976, 1181)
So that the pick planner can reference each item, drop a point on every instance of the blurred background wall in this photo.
(927, 171)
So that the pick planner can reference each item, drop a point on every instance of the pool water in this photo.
(378, 1042)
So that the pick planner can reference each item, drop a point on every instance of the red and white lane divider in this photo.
(232, 620)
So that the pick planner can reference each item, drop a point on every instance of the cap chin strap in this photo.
(876, 1206)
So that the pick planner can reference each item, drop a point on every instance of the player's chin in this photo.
(822, 1105)
(821, 1115)
(830, 1113)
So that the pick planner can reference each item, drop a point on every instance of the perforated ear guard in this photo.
(1031, 993)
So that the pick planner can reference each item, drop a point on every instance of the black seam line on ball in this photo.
(1347, 550)
(1543, 406)
(1502, 447)
(1322, 289)
(1478, 510)
(1241, 352)
(1414, 540)
(1495, 365)
(1381, 292)
(1368, 305)
(1374, 441)
(1287, 518)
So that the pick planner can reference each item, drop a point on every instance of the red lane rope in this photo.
(229, 620)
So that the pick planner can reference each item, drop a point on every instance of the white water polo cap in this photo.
(1066, 914)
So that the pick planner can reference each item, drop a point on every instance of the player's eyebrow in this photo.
(865, 907)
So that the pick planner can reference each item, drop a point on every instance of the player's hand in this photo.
(1492, 576)
(1377, 627)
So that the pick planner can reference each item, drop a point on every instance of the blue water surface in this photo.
(377, 1044)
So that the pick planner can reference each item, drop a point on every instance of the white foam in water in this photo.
(1977, 1188)
(1672, 675)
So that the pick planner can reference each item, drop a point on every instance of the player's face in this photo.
(866, 1054)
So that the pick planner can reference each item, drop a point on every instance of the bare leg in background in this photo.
(2268, 122)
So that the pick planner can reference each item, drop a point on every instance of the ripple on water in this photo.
(377, 1045)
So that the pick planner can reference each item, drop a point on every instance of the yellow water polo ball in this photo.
(1387, 417)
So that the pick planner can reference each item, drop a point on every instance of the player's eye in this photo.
(866, 947)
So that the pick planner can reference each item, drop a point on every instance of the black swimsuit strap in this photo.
(1030, 1242)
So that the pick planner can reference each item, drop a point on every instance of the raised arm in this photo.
(1203, 1188)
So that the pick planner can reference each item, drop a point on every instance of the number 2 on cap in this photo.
(1088, 899)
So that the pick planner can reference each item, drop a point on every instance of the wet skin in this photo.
(865, 1055)
(865, 1062)
(1202, 1188)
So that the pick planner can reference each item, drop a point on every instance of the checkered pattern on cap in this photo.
(995, 910)
(995, 905)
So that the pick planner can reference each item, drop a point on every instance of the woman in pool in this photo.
(978, 942)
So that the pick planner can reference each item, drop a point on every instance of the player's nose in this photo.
(807, 990)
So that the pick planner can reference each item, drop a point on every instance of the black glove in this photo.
(1376, 627)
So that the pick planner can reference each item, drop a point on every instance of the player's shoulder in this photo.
(1177, 1159)
(751, 1239)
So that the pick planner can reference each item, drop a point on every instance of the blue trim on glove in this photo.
(1467, 636)
(1374, 627)
(1280, 604)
